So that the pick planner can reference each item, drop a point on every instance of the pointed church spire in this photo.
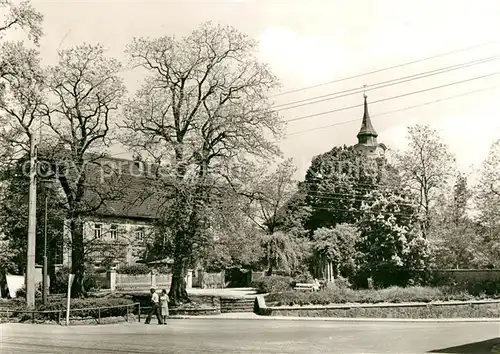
(367, 134)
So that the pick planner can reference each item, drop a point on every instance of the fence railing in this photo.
(95, 312)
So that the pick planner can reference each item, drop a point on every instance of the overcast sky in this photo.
(310, 43)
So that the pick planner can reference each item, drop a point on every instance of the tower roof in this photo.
(366, 126)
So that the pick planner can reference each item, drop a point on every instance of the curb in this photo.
(338, 319)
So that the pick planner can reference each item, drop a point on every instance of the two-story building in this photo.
(117, 230)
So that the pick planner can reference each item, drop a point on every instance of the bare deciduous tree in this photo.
(203, 109)
(488, 188)
(22, 100)
(85, 93)
(268, 193)
(22, 15)
(427, 167)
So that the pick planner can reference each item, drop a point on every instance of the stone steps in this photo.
(228, 305)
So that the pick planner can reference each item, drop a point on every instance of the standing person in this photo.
(316, 285)
(155, 307)
(164, 306)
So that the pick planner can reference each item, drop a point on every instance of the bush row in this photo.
(477, 287)
(59, 285)
(89, 308)
(388, 295)
(141, 269)
(274, 284)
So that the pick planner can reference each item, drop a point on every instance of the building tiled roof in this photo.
(366, 125)
(125, 191)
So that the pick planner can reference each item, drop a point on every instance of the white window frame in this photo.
(113, 232)
(139, 234)
(97, 231)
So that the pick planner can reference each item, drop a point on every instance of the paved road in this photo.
(251, 336)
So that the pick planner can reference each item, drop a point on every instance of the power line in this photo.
(376, 115)
(363, 212)
(395, 111)
(389, 68)
(393, 97)
(383, 84)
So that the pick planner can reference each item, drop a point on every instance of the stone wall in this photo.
(455, 309)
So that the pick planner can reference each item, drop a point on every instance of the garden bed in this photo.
(84, 310)
(434, 310)
(389, 295)
(403, 303)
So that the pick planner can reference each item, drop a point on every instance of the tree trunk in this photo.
(178, 293)
(77, 257)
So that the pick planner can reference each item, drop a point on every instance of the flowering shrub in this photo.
(391, 243)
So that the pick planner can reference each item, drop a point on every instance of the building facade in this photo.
(115, 234)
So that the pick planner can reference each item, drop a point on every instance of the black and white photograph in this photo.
(249, 176)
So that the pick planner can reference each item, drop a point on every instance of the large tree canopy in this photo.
(202, 112)
(336, 184)
(392, 249)
(85, 92)
(20, 16)
(427, 168)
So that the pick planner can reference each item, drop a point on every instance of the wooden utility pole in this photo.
(45, 289)
(30, 267)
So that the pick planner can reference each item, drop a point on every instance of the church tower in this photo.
(367, 136)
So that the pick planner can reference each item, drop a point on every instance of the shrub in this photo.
(304, 278)
(342, 283)
(60, 283)
(273, 284)
(89, 308)
(134, 269)
(476, 286)
(339, 295)
(21, 293)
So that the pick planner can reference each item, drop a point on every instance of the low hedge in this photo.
(135, 269)
(59, 285)
(273, 284)
(388, 295)
(89, 308)
(477, 287)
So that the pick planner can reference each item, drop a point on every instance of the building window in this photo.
(113, 232)
(139, 166)
(139, 235)
(97, 231)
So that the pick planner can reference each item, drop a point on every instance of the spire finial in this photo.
(364, 91)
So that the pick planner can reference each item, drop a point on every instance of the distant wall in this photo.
(211, 280)
(142, 281)
(258, 276)
(468, 274)
(128, 281)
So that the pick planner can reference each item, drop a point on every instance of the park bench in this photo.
(304, 286)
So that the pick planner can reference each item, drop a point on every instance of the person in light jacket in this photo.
(155, 307)
(164, 306)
